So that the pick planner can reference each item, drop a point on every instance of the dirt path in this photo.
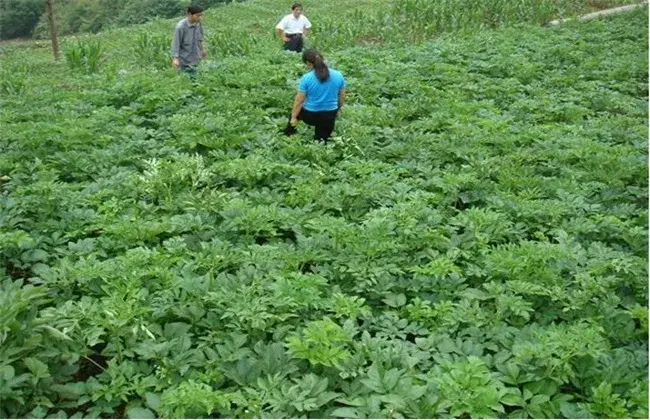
(601, 13)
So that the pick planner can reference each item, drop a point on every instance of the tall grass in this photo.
(13, 79)
(232, 43)
(419, 20)
(85, 57)
(153, 50)
(359, 28)
(423, 18)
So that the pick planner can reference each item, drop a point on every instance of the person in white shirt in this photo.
(293, 28)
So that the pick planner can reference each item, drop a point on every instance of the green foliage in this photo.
(322, 343)
(189, 399)
(467, 389)
(14, 79)
(81, 16)
(138, 12)
(418, 20)
(85, 57)
(472, 243)
(152, 50)
(414, 20)
(232, 43)
(18, 18)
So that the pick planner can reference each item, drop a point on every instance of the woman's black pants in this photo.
(323, 122)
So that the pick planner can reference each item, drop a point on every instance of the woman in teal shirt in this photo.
(320, 97)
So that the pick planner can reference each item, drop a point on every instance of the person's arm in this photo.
(203, 53)
(341, 99)
(176, 46)
(297, 106)
(280, 34)
(306, 30)
(279, 30)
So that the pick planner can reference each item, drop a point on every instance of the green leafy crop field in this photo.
(472, 243)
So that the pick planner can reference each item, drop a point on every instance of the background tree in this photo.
(18, 18)
(53, 36)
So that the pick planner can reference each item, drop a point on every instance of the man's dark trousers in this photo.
(294, 43)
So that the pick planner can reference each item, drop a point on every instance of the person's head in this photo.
(194, 13)
(296, 10)
(314, 60)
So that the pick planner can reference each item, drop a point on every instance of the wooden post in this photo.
(50, 18)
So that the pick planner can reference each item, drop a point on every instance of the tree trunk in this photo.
(50, 18)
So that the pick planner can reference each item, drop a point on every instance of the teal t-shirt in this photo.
(321, 96)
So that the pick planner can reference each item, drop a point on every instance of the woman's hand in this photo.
(294, 121)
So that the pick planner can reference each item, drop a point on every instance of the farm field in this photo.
(472, 243)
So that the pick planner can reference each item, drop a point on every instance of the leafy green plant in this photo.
(150, 49)
(85, 57)
(14, 80)
(322, 343)
(232, 43)
(472, 243)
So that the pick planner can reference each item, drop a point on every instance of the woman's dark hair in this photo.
(314, 58)
(295, 6)
(194, 9)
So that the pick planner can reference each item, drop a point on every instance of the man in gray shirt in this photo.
(187, 45)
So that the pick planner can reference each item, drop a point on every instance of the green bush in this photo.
(137, 12)
(74, 16)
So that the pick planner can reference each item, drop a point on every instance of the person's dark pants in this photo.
(294, 43)
(187, 69)
(322, 121)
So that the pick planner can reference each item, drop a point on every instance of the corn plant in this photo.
(85, 57)
(13, 81)
(152, 50)
(232, 44)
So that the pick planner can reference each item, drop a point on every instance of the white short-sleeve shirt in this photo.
(290, 25)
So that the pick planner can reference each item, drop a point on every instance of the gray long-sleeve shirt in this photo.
(186, 43)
